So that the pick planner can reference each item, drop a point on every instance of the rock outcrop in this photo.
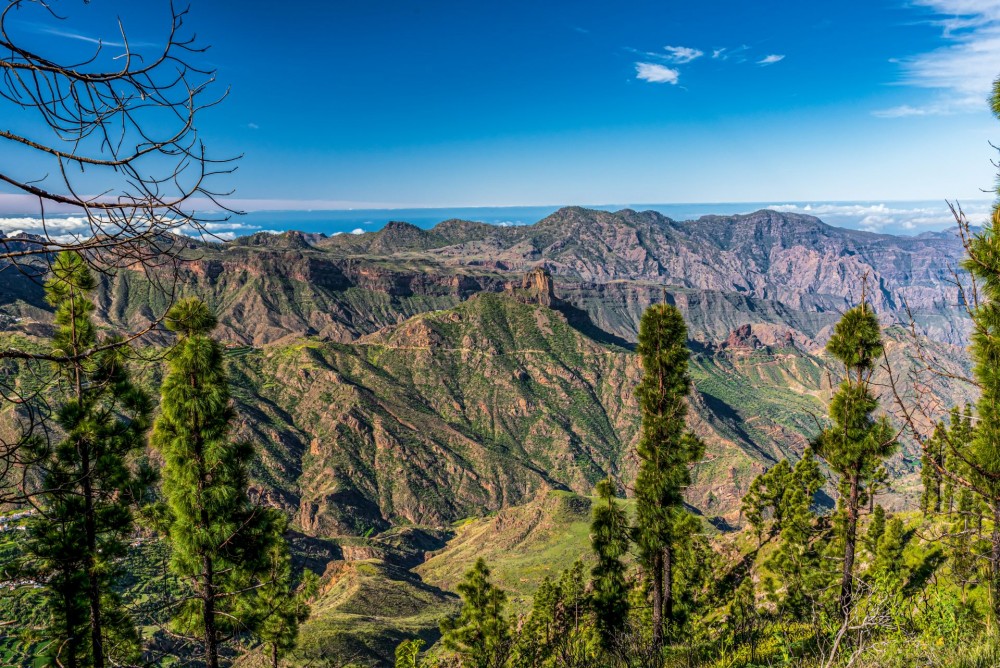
(742, 338)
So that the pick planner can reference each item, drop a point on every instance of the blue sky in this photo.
(454, 103)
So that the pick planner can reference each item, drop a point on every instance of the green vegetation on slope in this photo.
(366, 608)
(523, 545)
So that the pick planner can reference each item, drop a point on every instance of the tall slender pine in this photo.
(856, 442)
(609, 536)
(89, 480)
(281, 607)
(983, 453)
(666, 448)
(222, 542)
(480, 636)
(931, 463)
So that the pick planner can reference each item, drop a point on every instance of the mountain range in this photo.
(427, 375)
(400, 381)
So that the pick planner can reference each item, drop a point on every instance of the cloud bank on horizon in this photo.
(895, 217)
(905, 218)
(73, 229)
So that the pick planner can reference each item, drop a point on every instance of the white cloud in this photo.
(46, 28)
(31, 225)
(962, 72)
(736, 54)
(49, 30)
(66, 229)
(956, 16)
(682, 54)
(905, 110)
(887, 217)
(357, 230)
(229, 225)
(771, 59)
(654, 73)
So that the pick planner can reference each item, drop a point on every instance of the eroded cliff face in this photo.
(450, 414)
(422, 376)
(762, 268)
(468, 410)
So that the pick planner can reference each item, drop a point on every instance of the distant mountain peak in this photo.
(292, 239)
(401, 227)
(399, 235)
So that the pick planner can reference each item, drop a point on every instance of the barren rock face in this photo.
(539, 286)
(765, 268)
(422, 376)
(743, 337)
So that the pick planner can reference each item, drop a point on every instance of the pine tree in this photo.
(559, 630)
(876, 529)
(765, 494)
(857, 442)
(90, 479)
(931, 463)
(666, 449)
(982, 456)
(780, 500)
(773, 494)
(965, 551)
(797, 563)
(695, 570)
(534, 645)
(574, 630)
(948, 452)
(955, 440)
(282, 609)
(609, 535)
(888, 566)
(481, 635)
(745, 620)
(807, 478)
(222, 542)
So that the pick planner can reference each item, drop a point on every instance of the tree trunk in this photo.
(995, 563)
(937, 484)
(657, 568)
(850, 540)
(668, 587)
(274, 655)
(72, 642)
(208, 598)
(93, 586)
(208, 569)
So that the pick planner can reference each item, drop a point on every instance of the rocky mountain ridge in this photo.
(761, 268)
(419, 376)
